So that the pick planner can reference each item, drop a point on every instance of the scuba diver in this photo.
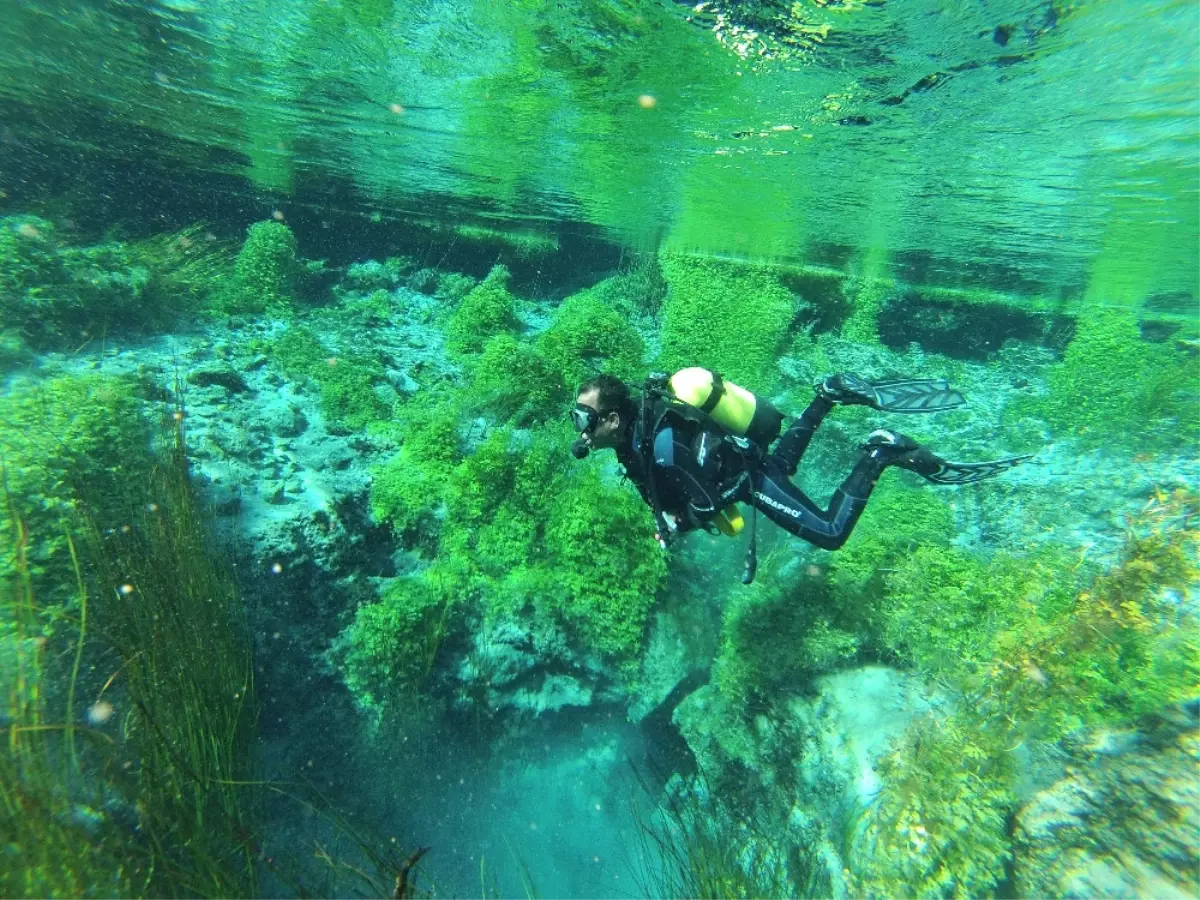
(697, 445)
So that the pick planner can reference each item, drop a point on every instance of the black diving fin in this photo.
(895, 449)
(902, 395)
(916, 396)
(969, 473)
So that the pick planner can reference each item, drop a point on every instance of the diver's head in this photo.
(602, 413)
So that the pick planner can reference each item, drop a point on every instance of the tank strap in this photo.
(714, 395)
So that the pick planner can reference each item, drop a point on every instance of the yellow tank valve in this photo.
(729, 521)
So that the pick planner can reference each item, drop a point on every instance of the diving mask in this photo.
(584, 418)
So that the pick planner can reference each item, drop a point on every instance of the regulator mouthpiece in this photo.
(580, 449)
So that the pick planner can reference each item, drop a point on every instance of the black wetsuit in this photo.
(695, 493)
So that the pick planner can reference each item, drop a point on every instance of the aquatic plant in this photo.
(153, 807)
(584, 337)
(1093, 396)
(58, 296)
(866, 296)
(370, 13)
(941, 609)
(938, 826)
(781, 634)
(346, 381)
(1036, 643)
(387, 651)
(487, 310)
(553, 536)
(635, 293)
(1036, 648)
(408, 491)
(524, 243)
(511, 382)
(266, 274)
(587, 337)
(690, 846)
(1112, 650)
(187, 269)
(151, 793)
(528, 529)
(59, 843)
(606, 568)
(730, 317)
(62, 440)
(897, 519)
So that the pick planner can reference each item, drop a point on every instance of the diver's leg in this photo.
(787, 506)
(795, 440)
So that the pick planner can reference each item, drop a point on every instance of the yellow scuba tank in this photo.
(731, 406)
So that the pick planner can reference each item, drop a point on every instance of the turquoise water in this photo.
(301, 577)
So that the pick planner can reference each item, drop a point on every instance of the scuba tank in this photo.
(731, 406)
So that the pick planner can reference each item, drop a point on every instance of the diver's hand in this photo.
(672, 522)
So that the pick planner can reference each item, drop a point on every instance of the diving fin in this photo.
(902, 395)
(891, 448)
(916, 395)
(969, 473)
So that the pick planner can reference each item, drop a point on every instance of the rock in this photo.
(850, 725)
(273, 492)
(285, 420)
(220, 377)
(554, 693)
(665, 664)
(808, 760)
(226, 499)
(1122, 823)
(367, 276)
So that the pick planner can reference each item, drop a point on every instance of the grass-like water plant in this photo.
(688, 846)
(127, 756)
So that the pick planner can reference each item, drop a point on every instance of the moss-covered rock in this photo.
(897, 519)
(1112, 382)
(511, 382)
(488, 310)
(1122, 823)
(389, 648)
(408, 492)
(775, 640)
(938, 827)
(587, 336)
(267, 274)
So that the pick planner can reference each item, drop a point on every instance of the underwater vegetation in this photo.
(690, 847)
(145, 799)
(1033, 648)
(382, 243)
(496, 529)
(518, 531)
(1094, 395)
(733, 315)
(129, 723)
(54, 295)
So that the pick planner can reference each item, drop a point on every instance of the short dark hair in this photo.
(613, 393)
